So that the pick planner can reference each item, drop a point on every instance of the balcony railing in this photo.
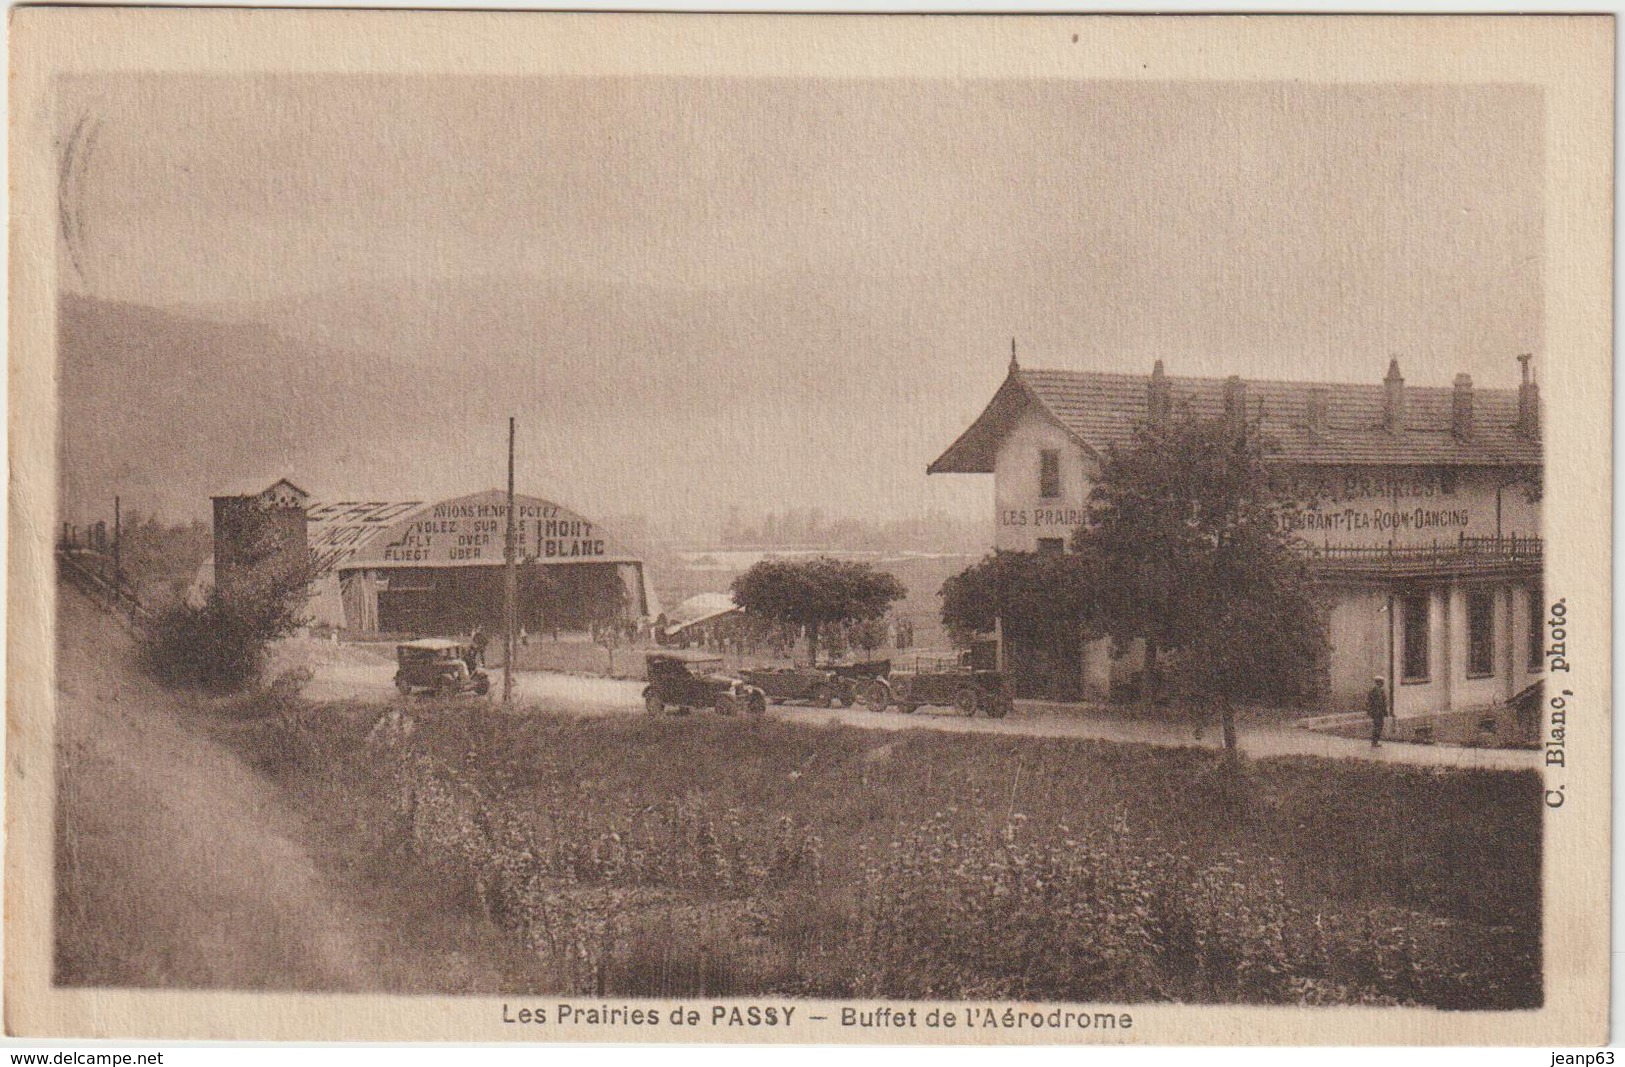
(1463, 554)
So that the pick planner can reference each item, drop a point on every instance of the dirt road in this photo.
(355, 678)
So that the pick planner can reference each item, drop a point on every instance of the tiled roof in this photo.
(1101, 410)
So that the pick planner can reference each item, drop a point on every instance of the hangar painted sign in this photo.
(471, 531)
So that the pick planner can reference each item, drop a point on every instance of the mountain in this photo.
(629, 398)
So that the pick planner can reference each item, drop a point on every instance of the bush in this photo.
(221, 644)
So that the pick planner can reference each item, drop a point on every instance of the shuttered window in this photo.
(1480, 635)
(1049, 473)
(1414, 666)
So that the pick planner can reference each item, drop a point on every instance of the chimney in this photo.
(1235, 406)
(1158, 400)
(1393, 403)
(1528, 402)
(1317, 413)
(1461, 408)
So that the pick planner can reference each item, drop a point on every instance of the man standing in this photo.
(1376, 706)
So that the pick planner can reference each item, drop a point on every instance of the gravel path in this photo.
(605, 696)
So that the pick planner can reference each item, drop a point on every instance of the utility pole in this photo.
(118, 570)
(510, 585)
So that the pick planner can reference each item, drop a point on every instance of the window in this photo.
(1049, 473)
(1414, 653)
(1537, 630)
(1051, 546)
(1480, 635)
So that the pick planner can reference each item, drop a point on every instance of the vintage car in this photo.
(439, 665)
(945, 679)
(822, 686)
(688, 680)
(815, 685)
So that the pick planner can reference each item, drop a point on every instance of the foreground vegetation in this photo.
(697, 856)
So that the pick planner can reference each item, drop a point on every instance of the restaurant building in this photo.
(1422, 515)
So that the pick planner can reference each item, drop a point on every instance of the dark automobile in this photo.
(690, 680)
(815, 685)
(823, 686)
(947, 680)
(439, 665)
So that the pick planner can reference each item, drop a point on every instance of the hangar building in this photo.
(412, 566)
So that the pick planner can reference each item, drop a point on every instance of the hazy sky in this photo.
(1271, 230)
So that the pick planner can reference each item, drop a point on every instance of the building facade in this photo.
(258, 536)
(435, 568)
(1419, 509)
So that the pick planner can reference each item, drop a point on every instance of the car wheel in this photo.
(402, 686)
(965, 700)
(999, 707)
(757, 704)
(821, 697)
(874, 695)
(482, 686)
(448, 686)
(652, 703)
(725, 704)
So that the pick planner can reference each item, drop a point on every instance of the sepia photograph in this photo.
(650, 547)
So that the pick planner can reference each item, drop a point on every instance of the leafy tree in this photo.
(221, 643)
(815, 593)
(1183, 532)
(1044, 599)
(868, 635)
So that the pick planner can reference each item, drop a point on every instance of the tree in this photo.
(1182, 531)
(869, 635)
(815, 593)
(221, 643)
(1043, 600)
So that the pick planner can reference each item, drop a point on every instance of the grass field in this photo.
(698, 856)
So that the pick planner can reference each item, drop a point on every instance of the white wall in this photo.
(1472, 692)
(1449, 686)
(1021, 516)
(1522, 673)
(1358, 631)
(1358, 506)
(1376, 506)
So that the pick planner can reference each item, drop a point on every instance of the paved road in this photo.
(607, 696)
